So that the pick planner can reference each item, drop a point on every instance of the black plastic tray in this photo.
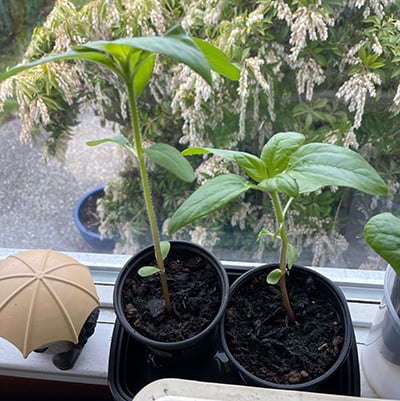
(131, 367)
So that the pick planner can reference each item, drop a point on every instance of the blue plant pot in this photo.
(91, 236)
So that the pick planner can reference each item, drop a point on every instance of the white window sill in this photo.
(363, 290)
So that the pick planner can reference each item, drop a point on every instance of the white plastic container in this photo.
(187, 390)
(380, 358)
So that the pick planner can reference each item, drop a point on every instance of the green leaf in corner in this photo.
(147, 271)
(274, 276)
(382, 233)
(165, 248)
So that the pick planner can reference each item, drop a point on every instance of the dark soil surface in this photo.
(88, 213)
(262, 341)
(195, 298)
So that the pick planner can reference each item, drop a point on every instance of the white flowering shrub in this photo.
(328, 69)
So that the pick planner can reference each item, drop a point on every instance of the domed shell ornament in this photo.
(45, 297)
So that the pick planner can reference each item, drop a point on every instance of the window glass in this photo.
(326, 69)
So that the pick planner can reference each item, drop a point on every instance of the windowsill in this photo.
(363, 290)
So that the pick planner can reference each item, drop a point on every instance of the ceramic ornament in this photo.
(45, 297)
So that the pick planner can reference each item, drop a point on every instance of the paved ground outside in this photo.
(37, 199)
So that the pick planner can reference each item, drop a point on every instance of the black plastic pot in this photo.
(131, 368)
(332, 381)
(201, 345)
